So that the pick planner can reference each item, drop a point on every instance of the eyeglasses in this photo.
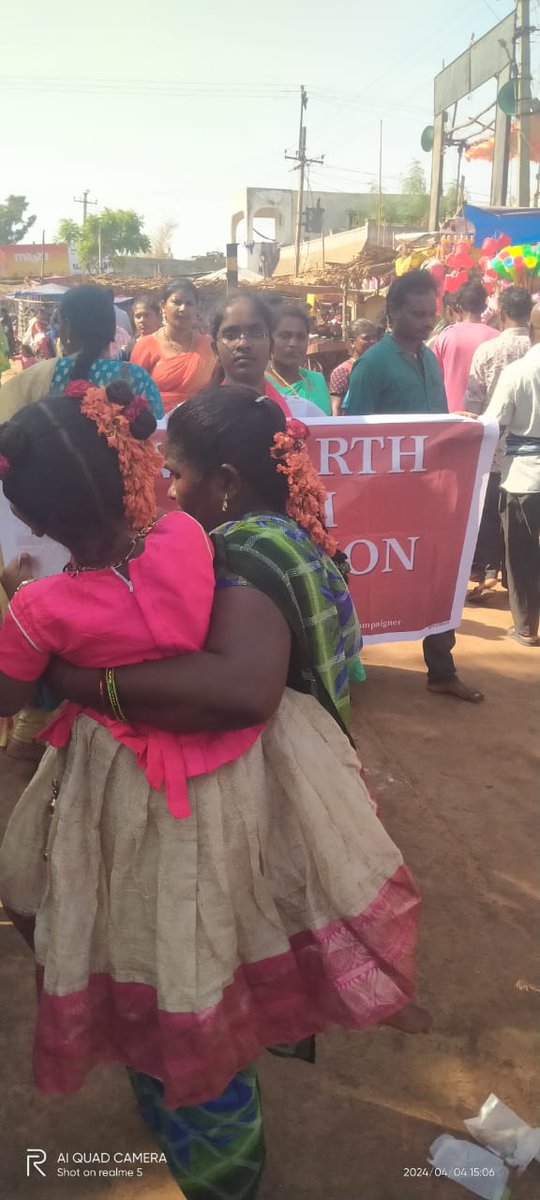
(235, 333)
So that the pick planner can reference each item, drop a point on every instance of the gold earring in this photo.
(225, 504)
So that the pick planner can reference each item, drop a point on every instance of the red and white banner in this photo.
(404, 501)
(405, 497)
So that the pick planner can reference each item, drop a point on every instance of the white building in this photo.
(326, 213)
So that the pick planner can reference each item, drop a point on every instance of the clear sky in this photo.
(172, 108)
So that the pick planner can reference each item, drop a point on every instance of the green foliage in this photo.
(68, 231)
(13, 223)
(411, 209)
(121, 232)
(450, 202)
(413, 183)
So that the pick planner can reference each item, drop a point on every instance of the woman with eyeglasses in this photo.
(242, 340)
(363, 334)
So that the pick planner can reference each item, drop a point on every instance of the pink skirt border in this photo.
(353, 973)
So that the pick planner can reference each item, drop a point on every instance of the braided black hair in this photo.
(63, 477)
(232, 424)
(90, 312)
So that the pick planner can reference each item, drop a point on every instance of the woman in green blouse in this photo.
(291, 336)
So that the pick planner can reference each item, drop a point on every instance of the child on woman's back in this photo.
(136, 587)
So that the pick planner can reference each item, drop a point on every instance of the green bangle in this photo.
(112, 694)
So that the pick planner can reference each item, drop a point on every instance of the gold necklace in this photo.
(291, 387)
(72, 568)
(176, 345)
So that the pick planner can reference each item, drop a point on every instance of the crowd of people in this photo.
(472, 369)
(197, 863)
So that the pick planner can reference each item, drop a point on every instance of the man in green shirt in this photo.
(398, 376)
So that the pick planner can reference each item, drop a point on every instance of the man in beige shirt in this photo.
(516, 406)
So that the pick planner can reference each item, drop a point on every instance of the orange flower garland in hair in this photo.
(139, 461)
(307, 495)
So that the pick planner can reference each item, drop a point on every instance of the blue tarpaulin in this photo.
(520, 224)
(43, 291)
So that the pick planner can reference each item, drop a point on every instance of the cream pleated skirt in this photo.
(181, 948)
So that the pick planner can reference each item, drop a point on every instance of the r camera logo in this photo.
(35, 1159)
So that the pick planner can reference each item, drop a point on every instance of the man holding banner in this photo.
(516, 407)
(400, 375)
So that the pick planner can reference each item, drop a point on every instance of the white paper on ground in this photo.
(474, 1168)
(500, 1129)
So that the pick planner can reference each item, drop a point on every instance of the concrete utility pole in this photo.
(523, 55)
(232, 266)
(85, 203)
(380, 197)
(302, 162)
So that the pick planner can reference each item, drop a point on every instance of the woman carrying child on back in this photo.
(204, 866)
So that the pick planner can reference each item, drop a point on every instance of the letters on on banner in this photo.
(405, 497)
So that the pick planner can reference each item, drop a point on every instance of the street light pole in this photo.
(380, 199)
(523, 39)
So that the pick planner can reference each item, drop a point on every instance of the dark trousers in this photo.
(438, 656)
(489, 553)
(520, 516)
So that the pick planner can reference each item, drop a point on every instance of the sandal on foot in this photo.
(520, 637)
(479, 595)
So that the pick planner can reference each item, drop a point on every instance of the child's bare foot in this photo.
(411, 1019)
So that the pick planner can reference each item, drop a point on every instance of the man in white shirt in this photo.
(489, 360)
(516, 406)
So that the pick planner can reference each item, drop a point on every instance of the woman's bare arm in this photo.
(236, 681)
(14, 695)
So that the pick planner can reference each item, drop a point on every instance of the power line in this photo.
(397, 68)
(150, 87)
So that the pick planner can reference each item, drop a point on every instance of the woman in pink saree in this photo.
(179, 357)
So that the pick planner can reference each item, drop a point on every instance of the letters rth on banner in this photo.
(405, 499)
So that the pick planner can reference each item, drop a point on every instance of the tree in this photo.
(413, 206)
(413, 183)
(451, 201)
(410, 210)
(13, 224)
(161, 239)
(113, 233)
(68, 231)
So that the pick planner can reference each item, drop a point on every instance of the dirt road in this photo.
(458, 788)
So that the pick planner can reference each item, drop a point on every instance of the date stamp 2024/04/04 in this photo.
(458, 1174)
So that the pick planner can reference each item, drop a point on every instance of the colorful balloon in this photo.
(452, 283)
